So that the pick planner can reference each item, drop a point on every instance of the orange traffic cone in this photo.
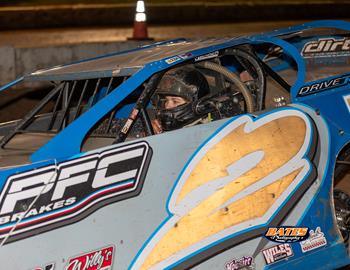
(140, 24)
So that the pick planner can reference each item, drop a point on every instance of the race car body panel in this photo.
(251, 191)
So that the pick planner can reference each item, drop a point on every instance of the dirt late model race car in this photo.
(87, 182)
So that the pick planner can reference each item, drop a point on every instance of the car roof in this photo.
(128, 62)
(124, 63)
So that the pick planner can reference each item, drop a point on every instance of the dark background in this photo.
(37, 34)
(81, 13)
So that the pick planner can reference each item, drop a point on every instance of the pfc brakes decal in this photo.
(324, 85)
(101, 259)
(326, 47)
(245, 178)
(66, 193)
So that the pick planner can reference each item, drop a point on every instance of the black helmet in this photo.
(186, 82)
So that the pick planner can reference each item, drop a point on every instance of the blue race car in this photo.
(227, 153)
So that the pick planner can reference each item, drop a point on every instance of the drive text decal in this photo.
(323, 85)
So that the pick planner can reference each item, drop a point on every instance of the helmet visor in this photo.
(172, 86)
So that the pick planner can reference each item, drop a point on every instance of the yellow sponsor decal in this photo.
(237, 180)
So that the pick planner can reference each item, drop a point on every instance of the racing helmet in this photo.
(185, 82)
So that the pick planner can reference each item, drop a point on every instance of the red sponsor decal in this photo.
(101, 259)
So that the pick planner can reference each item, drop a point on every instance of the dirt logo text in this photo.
(326, 47)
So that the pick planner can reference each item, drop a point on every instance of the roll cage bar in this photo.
(64, 92)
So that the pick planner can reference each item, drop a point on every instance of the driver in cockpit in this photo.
(183, 99)
(177, 98)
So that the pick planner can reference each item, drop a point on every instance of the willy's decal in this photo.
(54, 196)
(232, 188)
(101, 259)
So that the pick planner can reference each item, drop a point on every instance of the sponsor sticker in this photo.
(277, 253)
(284, 234)
(127, 126)
(246, 262)
(69, 191)
(172, 60)
(323, 85)
(101, 259)
(207, 56)
(326, 47)
(185, 55)
(315, 240)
